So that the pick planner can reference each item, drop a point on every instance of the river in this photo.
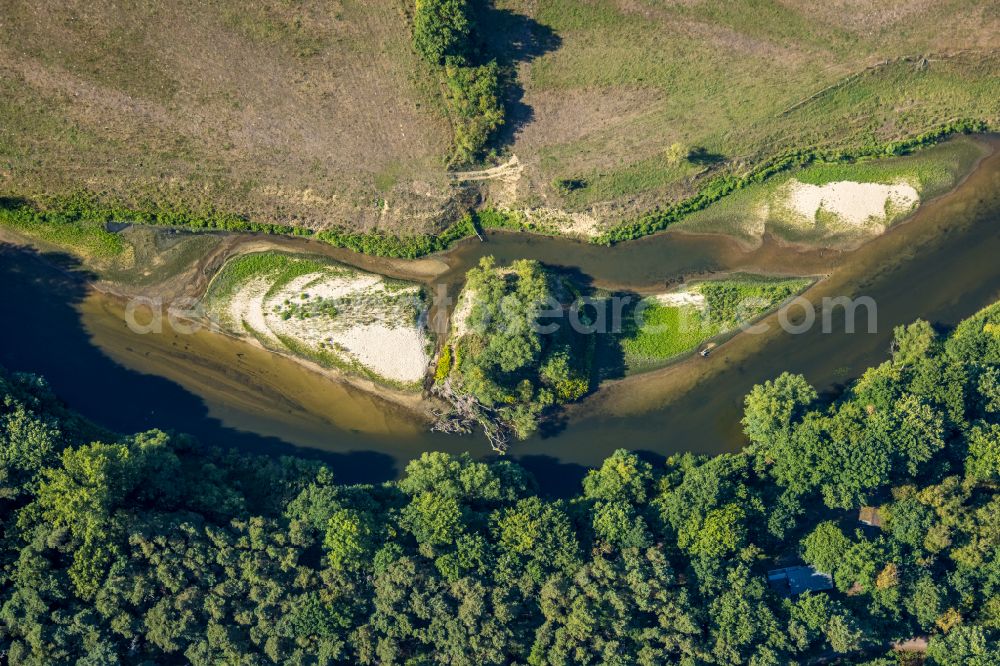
(941, 265)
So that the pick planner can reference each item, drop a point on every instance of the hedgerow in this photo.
(444, 35)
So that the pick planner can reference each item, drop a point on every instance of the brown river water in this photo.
(942, 265)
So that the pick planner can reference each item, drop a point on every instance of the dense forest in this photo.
(154, 548)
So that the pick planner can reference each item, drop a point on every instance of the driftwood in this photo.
(465, 414)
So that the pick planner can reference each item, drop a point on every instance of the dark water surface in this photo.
(943, 265)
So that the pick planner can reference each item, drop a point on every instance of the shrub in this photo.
(558, 372)
(443, 365)
(474, 99)
(441, 29)
(677, 153)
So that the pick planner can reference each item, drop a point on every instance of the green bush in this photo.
(64, 227)
(567, 382)
(441, 29)
(404, 247)
(78, 221)
(474, 100)
(443, 365)
(443, 36)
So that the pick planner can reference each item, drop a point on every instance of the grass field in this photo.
(304, 111)
(668, 326)
(632, 78)
(319, 114)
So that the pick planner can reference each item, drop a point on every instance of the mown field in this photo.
(321, 114)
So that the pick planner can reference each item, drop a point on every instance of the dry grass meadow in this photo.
(319, 113)
(310, 111)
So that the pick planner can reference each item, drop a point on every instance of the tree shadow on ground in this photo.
(12, 203)
(609, 354)
(513, 39)
(704, 157)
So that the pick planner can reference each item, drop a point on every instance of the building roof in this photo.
(870, 515)
(793, 581)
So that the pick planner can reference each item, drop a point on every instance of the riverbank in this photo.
(837, 205)
(639, 409)
(81, 222)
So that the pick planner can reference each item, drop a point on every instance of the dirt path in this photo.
(509, 171)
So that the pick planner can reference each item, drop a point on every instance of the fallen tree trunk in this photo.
(467, 412)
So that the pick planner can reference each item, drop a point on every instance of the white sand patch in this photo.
(299, 284)
(353, 316)
(247, 306)
(678, 298)
(460, 316)
(397, 353)
(321, 285)
(857, 204)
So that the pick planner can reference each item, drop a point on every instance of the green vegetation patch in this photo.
(279, 268)
(735, 301)
(665, 332)
(506, 359)
(75, 228)
(660, 329)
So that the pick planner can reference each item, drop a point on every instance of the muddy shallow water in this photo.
(941, 265)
